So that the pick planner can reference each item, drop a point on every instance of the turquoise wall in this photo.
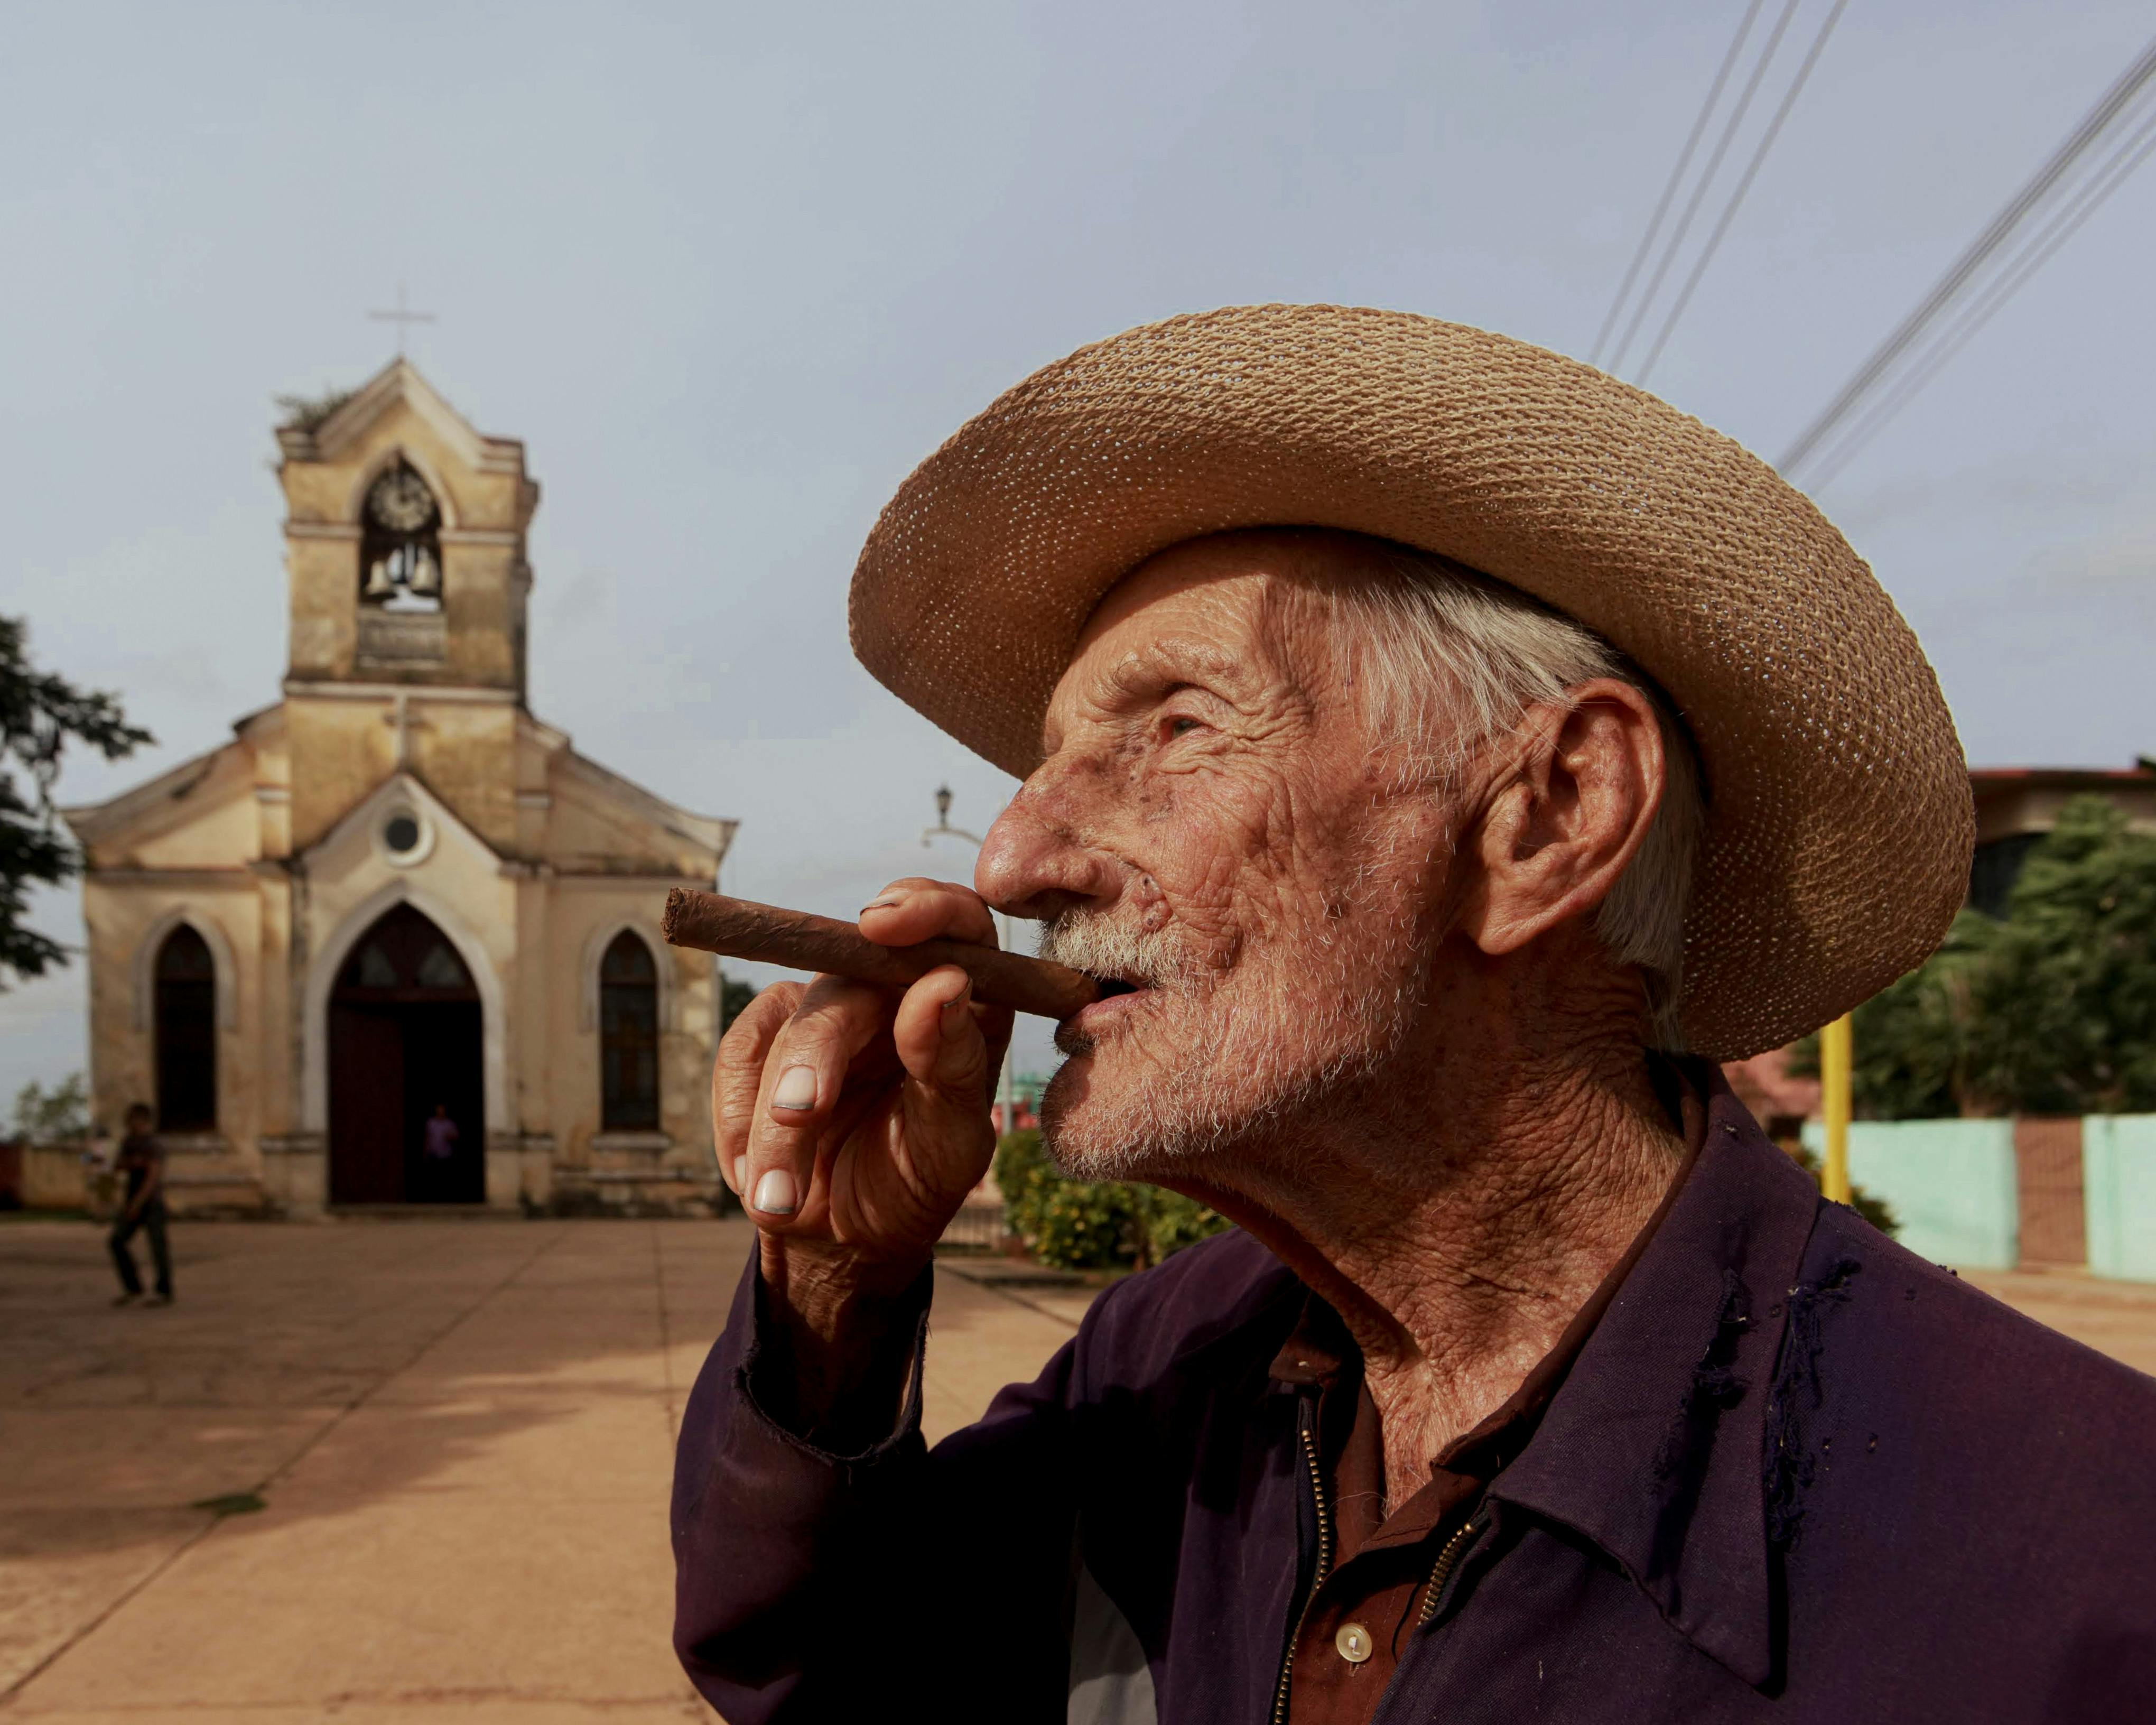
(1950, 1183)
(2118, 1185)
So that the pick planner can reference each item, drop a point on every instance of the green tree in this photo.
(58, 1116)
(1911, 1038)
(2061, 1015)
(2050, 1009)
(40, 713)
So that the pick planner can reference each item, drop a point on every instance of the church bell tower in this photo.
(404, 545)
(404, 535)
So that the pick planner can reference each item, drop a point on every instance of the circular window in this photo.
(404, 837)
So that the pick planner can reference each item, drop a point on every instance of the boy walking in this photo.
(143, 1160)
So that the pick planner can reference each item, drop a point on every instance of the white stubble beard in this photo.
(1220, 1058)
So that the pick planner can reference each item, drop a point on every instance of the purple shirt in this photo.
(1794, 1473)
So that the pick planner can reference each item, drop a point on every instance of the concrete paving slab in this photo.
(185, 1382)
(62, 1570)
(462, 1595)
(524, 1371)
(139, 1457)
(540, 1449)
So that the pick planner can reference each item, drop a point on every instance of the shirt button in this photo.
(1354, 1642)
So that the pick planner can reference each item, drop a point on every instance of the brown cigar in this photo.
(735, 928)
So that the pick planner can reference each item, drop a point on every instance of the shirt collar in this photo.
(1652, 1446)
(1320, 1353)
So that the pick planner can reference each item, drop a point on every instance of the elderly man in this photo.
(1438, 748)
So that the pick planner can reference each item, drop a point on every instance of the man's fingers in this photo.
(917, 909)
(804, 1071)
(737, 1074)
(949, 1043)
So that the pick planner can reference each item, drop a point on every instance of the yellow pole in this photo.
(1836, 1049)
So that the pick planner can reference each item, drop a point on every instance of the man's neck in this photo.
(1458, 1220)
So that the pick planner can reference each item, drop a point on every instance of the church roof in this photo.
(633, 818)
(399, 382)
(714, 832)
(160, 803)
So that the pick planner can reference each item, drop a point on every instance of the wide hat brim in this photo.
(1839, 823)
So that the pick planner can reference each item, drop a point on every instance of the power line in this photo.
(1706, 178)
(1996, 233)
(1676, 179)
(1743, 184)
(2137, 149)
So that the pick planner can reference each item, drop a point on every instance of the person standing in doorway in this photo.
(143, 1160)
(440, 1146)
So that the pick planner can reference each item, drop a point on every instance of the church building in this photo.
(397, 941)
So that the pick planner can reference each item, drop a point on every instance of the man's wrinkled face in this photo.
(1216, 830)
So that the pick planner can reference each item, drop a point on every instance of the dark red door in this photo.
(405, 1047)
(367, 1105)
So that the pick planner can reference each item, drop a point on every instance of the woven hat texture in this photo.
(1839, 817)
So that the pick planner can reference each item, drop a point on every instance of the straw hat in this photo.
(1839, 819)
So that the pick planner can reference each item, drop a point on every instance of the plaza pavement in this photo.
(460, 1433)
(459, 1436)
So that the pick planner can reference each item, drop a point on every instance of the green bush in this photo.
(1088, 1224)
(1172, 1221)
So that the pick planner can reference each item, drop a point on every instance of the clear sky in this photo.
(731, 271)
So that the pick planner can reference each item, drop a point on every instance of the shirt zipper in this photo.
(1440, 1572)
(1324, 1562)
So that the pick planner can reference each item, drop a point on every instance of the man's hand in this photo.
(852, 1123)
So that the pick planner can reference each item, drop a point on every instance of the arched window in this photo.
(187, 1033)
(629, 1036)
(400, 549)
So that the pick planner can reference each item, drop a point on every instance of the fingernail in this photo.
(796, 1088)
(885, 903)
(774, 1192)
(954, 1008)
(741, 1172)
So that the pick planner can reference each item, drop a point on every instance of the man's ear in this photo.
(1567, 818)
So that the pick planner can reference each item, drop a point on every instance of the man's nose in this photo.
(1034, 863)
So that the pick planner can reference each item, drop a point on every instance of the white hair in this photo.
(1454, 659)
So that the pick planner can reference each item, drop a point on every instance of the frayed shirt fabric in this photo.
(1794, 1473)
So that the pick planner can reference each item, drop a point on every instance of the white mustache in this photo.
(1097, 943)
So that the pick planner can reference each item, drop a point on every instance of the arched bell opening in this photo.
(400, 546)
(407, 1090)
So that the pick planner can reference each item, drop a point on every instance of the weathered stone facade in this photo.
(402, 767)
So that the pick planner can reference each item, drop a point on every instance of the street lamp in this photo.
(944, 829)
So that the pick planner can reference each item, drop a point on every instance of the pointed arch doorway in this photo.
(406, 1049)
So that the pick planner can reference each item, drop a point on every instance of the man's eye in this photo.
(1177, 728)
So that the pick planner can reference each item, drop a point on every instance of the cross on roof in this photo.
(407, 721)
(401, 318)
